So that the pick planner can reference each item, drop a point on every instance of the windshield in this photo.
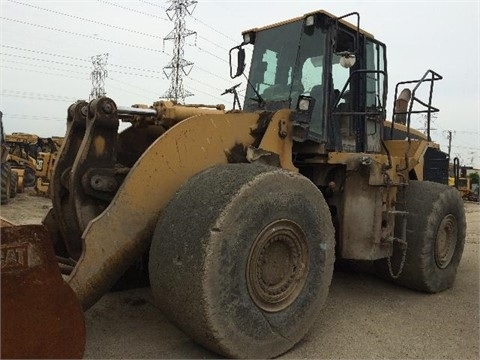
(286, 63)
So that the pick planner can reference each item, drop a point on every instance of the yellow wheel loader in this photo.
(243, 213)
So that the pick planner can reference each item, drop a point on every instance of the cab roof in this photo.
(323, 12)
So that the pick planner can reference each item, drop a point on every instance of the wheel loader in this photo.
(242, 213)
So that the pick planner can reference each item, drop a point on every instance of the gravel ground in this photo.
(364, 317)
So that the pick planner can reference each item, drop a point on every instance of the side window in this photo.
(312, 73)
(340, 76)
(375, 81)
(270, 60)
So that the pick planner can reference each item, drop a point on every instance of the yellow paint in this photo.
(99, 145)
(285, 22)
(130, 219)
(272, 142)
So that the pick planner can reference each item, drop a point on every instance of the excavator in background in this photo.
(242, 213)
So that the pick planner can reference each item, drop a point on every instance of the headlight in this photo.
(310, 20)
(249, 38)
(304, 104)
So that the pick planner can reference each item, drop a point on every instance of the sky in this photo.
(46, 49)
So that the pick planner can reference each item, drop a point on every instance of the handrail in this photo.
(430, 109)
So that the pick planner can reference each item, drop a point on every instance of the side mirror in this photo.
(347, 60)
(240, 61)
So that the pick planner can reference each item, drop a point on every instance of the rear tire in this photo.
(242, 259)
(6, 175)
(436, 228)
(29, 178)
(13, 184)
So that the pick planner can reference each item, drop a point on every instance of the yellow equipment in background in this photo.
(46, 156)
(22, 157)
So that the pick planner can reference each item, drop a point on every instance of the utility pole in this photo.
(449, 142)
(98, 75)
(449, 135)
(178, 66)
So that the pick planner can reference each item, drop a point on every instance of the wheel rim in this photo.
(446, 241)
(277, 265)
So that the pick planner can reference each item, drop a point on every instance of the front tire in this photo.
(242, 259)
(436, 229)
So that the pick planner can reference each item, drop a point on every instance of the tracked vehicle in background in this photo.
(242, 213)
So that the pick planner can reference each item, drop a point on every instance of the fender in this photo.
(120, 234)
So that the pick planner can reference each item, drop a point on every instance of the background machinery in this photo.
(46, 155)
(22, 158)
(462, 182)
(243, 213)
(8, 177)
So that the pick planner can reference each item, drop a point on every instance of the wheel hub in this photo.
(277, 266)
(446, 241)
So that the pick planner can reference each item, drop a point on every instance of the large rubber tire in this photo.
(242, 259)
(436, 229)
(6, 174)
(30, 178)
(13, 184)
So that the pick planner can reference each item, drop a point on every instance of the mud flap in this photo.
(41, 315)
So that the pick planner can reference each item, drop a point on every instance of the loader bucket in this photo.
(41, 315)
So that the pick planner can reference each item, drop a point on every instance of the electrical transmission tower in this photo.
(178, 66)
(98, 75)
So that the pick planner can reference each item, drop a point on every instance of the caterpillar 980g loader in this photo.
(243, 212)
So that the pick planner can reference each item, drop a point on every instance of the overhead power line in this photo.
(44, 60)
(82, 66)
(44, 73)
(33, 117)
(132, 10)
(87, 67)
(87, 20)
(44, 53)
(81, 35)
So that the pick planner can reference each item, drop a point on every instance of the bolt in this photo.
(107, 108)
(365, 160)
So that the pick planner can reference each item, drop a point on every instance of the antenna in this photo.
(178, 66)
(98, 75)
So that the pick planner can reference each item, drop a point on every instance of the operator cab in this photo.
(330, 72)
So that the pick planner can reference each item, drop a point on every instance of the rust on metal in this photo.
(41, 316)
(62, 200)
(277, 265)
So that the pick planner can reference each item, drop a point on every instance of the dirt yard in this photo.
(364, 318)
